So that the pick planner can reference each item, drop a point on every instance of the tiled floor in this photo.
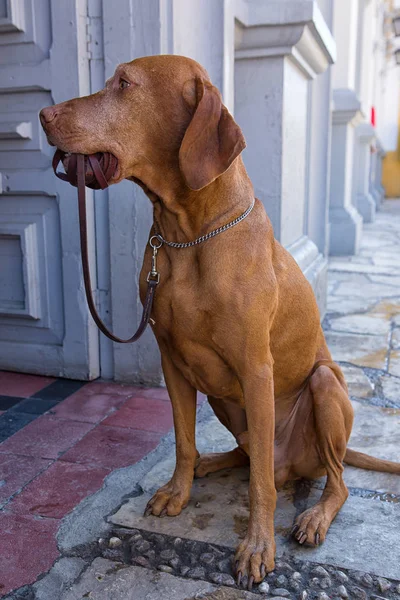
(60, 439)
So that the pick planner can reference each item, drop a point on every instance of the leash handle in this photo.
(76, 176)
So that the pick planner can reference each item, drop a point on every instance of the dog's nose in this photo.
(47, 115)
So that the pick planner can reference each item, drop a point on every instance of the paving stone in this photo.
(391, 388)
(342, 577)
(358, 383)
(374, 252)
(363, 350)
(102, 387)
(386, 280)
(367, 290)
(90, 408)
(45, 437)
(395, 341)
(22, 385)
(112, 447)
(264, 587)
(64, 572)
(338, 305)
(334, 277)
(343, 593)
(165, 569)
(158, 392)
(387, 261)
(373, 324)
(222, 578)
(376, 431)
(144, 414)
(394, 363)
(389, 307)
(7, 402)
(22, 538)
(34, 406)
(359, 267)
(282, 592)
(11, 423)
(59, 389)
(12, 479)
(58, 489)
(383, 584)
(113, 581)
(381, 238)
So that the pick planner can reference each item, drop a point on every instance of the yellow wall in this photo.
(391, 175)
(391, 171)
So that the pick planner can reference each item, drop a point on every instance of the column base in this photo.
(366, 206)
(378, 195)
(314, 266)
(346, 228)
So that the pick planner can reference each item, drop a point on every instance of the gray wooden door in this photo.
(44, 323)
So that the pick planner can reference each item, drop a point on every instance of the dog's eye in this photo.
(123, 84)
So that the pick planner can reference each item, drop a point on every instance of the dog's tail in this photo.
(363, 461)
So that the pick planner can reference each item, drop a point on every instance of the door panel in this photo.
(44, 323)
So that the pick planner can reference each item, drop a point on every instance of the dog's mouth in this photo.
(101, 168)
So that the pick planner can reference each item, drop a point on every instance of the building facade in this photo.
(303, 79)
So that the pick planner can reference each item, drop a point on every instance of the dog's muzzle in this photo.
(99, 168)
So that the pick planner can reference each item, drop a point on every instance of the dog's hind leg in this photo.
(333, 417)
(233, 417)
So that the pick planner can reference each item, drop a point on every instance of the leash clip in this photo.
(154, 275)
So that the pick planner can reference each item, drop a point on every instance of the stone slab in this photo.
(376, 431)
(63, 573)
(396, 338)
(367, 290)
(336, 266)
(387, 260)
(347, 305)
(391, 388)
(362, 537)
(382, 238)
(394, 363)
(108, 580)
(217, 512)
(357, 382)
(386, 280)
(372, 324)
(364, 350)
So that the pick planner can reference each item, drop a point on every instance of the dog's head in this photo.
(160, 116)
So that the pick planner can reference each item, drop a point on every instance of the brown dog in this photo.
(234, 316)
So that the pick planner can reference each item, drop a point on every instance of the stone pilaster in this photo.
(376, 188)
(280, 48)
(346, 222)
(363, 199)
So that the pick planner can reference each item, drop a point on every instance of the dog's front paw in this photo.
(255, 557)
(311, 526)
(168, 500)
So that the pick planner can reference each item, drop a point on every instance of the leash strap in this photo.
(76, 176)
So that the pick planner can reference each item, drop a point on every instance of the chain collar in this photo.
(157, 240)
(202, 238)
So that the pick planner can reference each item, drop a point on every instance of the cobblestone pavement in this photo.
(109, 551)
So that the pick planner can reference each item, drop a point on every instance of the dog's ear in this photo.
(212, 140)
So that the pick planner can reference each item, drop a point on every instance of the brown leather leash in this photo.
(95, 171)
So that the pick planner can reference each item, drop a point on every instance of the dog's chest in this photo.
(192, 332)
